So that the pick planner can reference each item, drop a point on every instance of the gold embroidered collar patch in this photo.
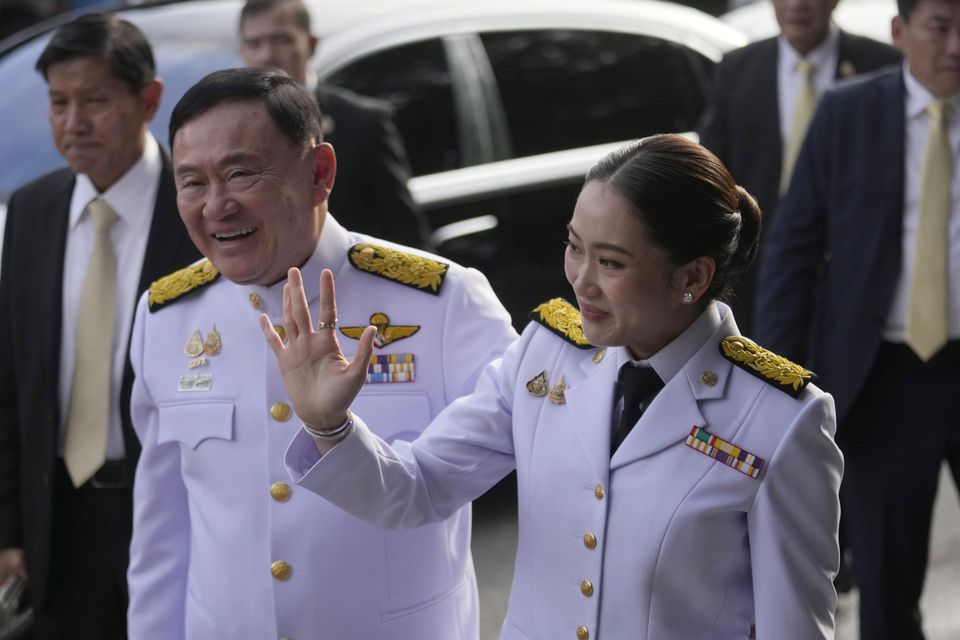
(179, 283)
(773, 369)
(563, 319)
(406, 268)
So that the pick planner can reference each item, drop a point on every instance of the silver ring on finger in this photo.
(327, 325)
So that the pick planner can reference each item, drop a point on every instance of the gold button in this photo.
(589, 541)
(255, 301)
(586, 588)
(280, 491)
(280, 411)
(280, 332)
(709, 378)
(281, 570)
(599, 492)
(583, 633)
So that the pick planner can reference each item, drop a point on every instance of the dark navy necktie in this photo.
(637, 386)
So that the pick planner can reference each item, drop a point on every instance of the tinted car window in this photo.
(570, 88)
(417, 80)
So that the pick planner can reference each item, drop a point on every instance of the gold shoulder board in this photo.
(563, 319)
(179, 283)
(406, 268)
(773, 369)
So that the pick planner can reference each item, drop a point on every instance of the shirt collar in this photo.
(125, 195)
(671, 359)
(919, 97)
(818, 56)
(330, 253)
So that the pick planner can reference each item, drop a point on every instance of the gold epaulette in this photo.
(169, 288)
(773, 369)
(406, 268)
(563, 319)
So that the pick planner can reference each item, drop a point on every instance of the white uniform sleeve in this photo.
(160, 548)
(464, 451)
(476, 330)
(793, 530)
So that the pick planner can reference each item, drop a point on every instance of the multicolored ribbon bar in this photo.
(721, 450)
(395, 367)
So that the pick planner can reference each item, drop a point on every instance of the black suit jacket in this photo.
(742, 126)
(31, 283)
(370, 194)
(833, 253)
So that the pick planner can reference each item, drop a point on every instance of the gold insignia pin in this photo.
(386, 333)
(846, 69)
(194, 346)
(537, 386)
(709, 378)
(556, 392)
(211, 346)
(598, 356)
(255, 300)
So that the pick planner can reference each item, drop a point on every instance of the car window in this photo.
(567, 88)
(416, 78)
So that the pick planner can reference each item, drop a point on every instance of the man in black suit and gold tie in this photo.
(861, 281)
(372, 166)
(80, 246)
(763, 97)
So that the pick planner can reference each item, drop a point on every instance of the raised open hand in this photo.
(320, 382)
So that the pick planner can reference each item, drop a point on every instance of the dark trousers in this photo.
(904, 424)
(87, 596)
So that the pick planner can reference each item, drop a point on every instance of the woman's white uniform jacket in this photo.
(716, 518)
(223, 547)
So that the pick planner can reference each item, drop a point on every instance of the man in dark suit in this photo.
(372, 166)
(860, 282)
(80, 245)
(754, 106)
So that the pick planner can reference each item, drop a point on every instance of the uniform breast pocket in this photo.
(204, 432)
(191, 424)
(394, 416)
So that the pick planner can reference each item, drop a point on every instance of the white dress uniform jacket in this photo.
(660, 542)
(222, 546)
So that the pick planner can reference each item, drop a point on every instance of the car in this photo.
(502, 105)
(869, 18)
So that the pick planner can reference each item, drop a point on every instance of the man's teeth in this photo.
(233, 234)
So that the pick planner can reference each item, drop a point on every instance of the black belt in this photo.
(112, 475)
(900, 356)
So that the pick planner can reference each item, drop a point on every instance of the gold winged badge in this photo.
(386, 333)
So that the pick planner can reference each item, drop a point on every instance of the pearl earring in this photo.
(687, 297)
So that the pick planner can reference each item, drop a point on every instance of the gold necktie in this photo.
(85, 447)
(927, 313)
(803, 108)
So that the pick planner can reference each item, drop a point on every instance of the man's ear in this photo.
(313, 45)
(150, 98)
(324, 172)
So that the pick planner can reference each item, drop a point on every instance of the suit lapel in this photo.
(168, 247)
(764, 101)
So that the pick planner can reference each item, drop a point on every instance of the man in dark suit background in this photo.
(861, 283)
(80, 245)
(372, 165)
(754, 116)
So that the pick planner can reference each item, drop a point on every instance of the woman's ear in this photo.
(695, 278)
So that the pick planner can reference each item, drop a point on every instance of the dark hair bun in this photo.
(750, 221)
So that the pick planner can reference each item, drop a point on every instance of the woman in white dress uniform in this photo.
(675, 480)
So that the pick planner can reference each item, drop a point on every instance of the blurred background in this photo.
(471, 83)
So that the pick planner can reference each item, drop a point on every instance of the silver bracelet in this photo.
(337, 433)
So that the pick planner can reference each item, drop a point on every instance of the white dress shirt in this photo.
(789, 79)
(916, 127)
(133, 197)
